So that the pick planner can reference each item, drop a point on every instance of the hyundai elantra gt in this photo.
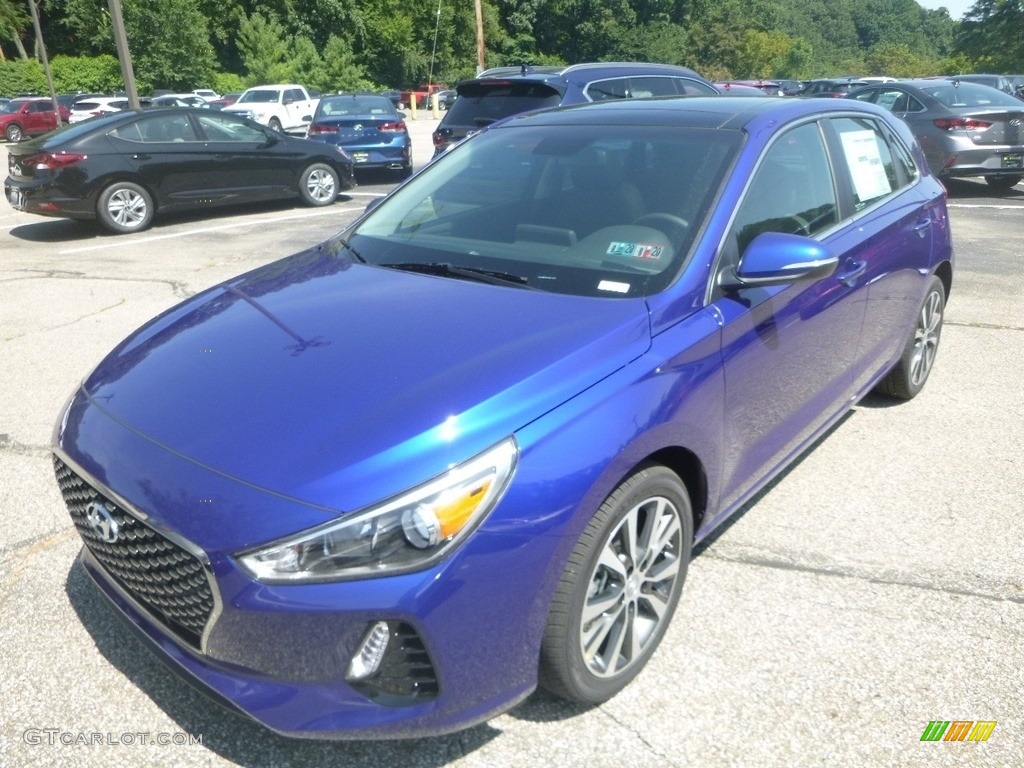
(386, 486)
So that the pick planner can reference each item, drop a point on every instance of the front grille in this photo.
(166, 579)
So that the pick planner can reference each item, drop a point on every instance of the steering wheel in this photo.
(674, 227)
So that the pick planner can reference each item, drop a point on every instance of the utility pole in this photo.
(479, 38)
(46, 61)
(123, 54)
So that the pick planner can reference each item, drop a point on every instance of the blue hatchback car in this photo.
(387, 486)
(367, 127)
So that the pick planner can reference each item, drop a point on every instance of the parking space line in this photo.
(204, 230)
(986, 205)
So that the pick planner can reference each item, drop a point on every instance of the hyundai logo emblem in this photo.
(357, 127)
(101, 522)
(1015, 123)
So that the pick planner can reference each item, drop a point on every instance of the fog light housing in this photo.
(391, 666)
(370, 652)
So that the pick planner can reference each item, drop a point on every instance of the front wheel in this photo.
(125, 207)
(319, 184)
(909, 375)
(274, 124)
(619, 589)
(1004, 183)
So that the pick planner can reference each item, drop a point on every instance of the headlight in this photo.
(406, 533)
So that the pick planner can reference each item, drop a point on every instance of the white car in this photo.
(101, 105)
(206, 93)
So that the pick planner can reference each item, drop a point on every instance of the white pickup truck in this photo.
(288, 108)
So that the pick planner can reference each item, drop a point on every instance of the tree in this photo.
(264, 48)
(990, 35)
(13, 23)
(169, 42)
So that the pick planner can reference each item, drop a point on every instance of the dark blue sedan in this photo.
(367, 127)
(389, 485)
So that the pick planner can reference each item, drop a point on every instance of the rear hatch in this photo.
(357, 130)
(485, 101)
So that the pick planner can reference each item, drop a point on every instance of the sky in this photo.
(956, 8)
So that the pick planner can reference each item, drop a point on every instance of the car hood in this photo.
(339, 384)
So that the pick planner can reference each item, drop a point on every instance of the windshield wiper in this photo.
(350, 248)
(442, 269)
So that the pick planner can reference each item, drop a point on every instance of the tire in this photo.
(318, 184)
(909, 375)
(587, 656)
(14, 132)
(1004, 183)
(405, 171)
(274, 124)
(125, 207)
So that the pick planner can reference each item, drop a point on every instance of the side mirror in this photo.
(775, 258)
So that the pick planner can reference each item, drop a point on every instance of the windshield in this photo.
(972, 95)
(587, 210)
(260, 97)
(485, 102)
(349, 106)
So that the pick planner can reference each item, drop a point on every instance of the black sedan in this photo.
(124, 167)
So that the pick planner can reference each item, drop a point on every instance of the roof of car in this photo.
(696, 111)
(588, 70)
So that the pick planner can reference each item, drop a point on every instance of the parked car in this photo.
(367, 127)
(207, 94)
(224, 101)
(835, 88)
(287, 108)
(21, 118)
(122, 169)
(100, 105)
(738, 89)
(999, 82)
(965, 129)
(446, 98)
(767, 87)
(499, 93)
(420, 95)
(178, 100)
(467, 445)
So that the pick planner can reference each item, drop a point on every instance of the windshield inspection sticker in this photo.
(636, 250)
(610, 285)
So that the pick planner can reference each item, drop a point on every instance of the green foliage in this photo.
(22, 76)
(226, 82)
(86, 73)
(264, 48)
(353, 44)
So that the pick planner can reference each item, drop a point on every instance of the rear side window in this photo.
(878, 164)
(483, 103)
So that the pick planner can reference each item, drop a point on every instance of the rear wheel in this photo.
(1004, 183)
(909, 375)
(319, 184)
(125, 207)
(14, 132)
(619, 589)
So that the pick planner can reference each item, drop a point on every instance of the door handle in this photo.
(922, 227)
(853, 274)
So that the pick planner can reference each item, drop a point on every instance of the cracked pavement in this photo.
(874, 587)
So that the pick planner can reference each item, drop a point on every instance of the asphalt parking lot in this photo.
(877, 586)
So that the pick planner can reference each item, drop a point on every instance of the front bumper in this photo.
(280, 653)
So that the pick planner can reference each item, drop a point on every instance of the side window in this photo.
(154, 130)
(603, 90)
(869, 96)
(693, 87)
(224, 128)
(792, 190)
(640, 87)
(876, 168)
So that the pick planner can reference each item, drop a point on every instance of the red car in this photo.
(21, 118)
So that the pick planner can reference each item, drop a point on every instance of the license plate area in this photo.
(17, 199)
(1013, 160)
